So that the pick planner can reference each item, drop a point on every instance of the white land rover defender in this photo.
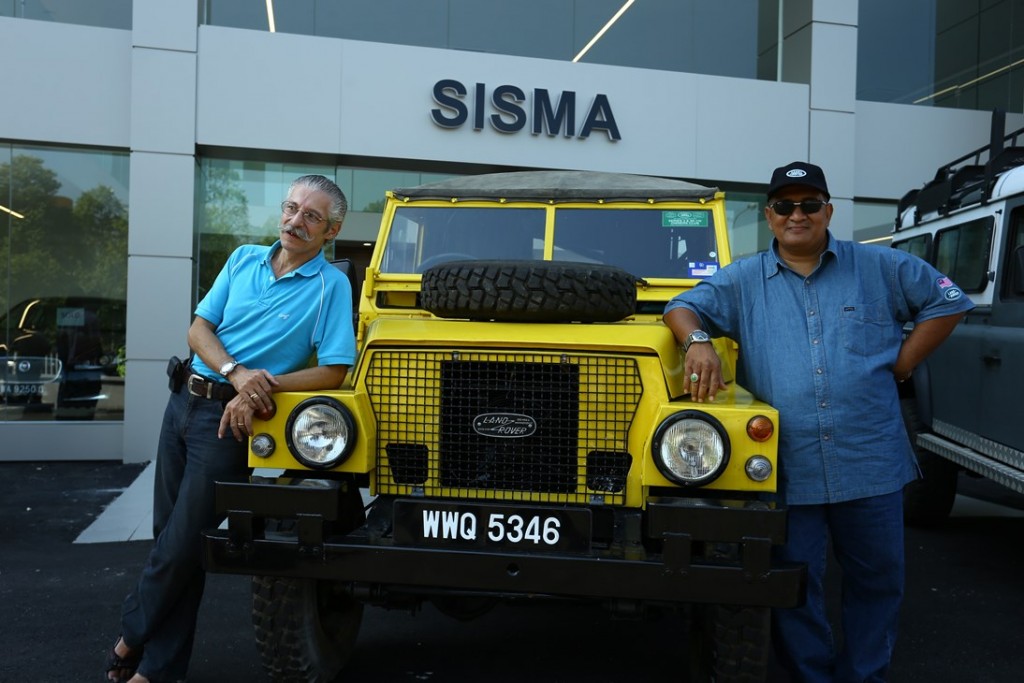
(962, 408)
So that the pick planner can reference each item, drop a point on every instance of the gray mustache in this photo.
(299, 232)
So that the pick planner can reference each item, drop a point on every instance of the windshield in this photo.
(422, 237)
(645, 242)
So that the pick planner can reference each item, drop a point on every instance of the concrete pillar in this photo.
(162, 210)
(820, 49)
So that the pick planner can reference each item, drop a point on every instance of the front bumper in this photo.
(623, 571)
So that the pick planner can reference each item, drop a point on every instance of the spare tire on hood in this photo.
(529, 291)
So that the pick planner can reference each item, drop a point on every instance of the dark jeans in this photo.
(867, 540)
(160, 613)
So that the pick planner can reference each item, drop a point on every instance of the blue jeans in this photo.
(867, 540)
(160, 613)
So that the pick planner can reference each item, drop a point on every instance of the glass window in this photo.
(647, 243)
(422, 237)
(64, 269)
(943, 53)
(873, 221)
(239, 203)
(747, 227)
(106, 13)
(1013, 278)
(962, 253)
(920, 246)
(726, 38)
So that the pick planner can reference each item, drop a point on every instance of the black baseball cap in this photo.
(798, 173)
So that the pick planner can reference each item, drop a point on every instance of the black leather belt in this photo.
(202, 387)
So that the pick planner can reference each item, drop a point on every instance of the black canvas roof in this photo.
(559, 186)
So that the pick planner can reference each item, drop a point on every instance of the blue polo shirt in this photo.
(821, 350)
(278, 323)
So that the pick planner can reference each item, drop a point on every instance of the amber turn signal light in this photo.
(267, 413)
(760, 428)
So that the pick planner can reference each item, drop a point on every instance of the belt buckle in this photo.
(203, 382)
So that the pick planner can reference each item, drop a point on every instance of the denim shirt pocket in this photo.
(867, 329)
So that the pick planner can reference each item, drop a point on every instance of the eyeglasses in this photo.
(784, 207)
(308, 217)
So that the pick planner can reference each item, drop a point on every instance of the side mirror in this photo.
(349, 269)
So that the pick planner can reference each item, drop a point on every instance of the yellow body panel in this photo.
(359, 461)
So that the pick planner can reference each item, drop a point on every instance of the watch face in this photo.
(699, 336)
(227, 367)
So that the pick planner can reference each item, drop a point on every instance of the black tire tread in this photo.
(528, 291)
(298, 643)
(291, 649)
(741, 639)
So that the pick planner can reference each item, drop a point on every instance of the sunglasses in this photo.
(784, 207)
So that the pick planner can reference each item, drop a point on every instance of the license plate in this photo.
(22, 389)
(506, 527)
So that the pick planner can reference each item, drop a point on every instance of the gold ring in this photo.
(239, 424)
(254, 396)
(694, 377)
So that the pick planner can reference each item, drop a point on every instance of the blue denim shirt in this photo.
(821, 350)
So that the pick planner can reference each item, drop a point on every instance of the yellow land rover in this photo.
(516, 426)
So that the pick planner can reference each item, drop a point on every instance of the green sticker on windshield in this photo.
(684, 219)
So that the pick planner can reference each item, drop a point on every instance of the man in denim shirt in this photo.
(819, 322)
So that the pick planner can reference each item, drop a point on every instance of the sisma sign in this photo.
(506, 110)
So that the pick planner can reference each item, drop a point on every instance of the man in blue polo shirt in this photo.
(269, 312)
(819, 322)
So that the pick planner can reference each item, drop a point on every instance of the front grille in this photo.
(549, 427)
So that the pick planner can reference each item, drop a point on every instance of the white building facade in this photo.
(135, 154)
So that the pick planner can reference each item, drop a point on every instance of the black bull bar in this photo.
(672, 576)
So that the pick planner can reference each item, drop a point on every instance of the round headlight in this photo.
(320, 432)
(691, 448)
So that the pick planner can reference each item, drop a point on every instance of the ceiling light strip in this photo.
(270, 16)
(597, 36)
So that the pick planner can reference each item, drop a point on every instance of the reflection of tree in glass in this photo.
(223, 222)
(33, 243)
(375, 207)
(269, 230)
(63, 257)
(102, 232)
(62, 247)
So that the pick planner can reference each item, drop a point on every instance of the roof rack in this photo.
(968, 179)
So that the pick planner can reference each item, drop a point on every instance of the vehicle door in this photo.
(1002, 347)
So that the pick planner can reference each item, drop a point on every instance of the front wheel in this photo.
(306, 630)
(730, 644)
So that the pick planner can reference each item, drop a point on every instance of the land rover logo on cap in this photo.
(796, 173)
(504, 425)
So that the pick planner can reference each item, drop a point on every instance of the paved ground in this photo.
(66, 562)
(60, 599)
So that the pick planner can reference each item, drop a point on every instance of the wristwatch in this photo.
(696, 337)
(228, 367)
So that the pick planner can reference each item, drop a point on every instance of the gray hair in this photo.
(339, 204)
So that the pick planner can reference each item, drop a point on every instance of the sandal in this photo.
(123, 667)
